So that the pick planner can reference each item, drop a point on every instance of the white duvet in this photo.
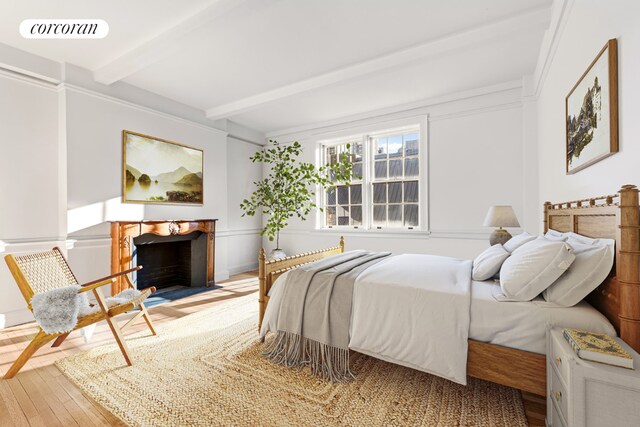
(431, 298)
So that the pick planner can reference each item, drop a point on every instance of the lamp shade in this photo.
(501, 216)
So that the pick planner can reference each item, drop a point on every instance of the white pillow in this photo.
(556, 236)
(591, 267)
(570, 236)
(582, 240)
(516, 241)
(533, 267)
(488, 263)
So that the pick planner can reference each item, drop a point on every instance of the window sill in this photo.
(466, 234)
(363, 232)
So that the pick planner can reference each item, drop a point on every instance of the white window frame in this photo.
(322, 145)
(366, 138)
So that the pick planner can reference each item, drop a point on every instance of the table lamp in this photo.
(500, 216)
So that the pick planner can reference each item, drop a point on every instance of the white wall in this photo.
(587, 27)
(31, 217)
(30, 193)
(241, 174)
(94, 168)
(475, 160)
(94, 135)
(61, 168)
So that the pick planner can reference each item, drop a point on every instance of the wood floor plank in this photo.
(83, 402)
(22, 398)
(47, 398)
(9, 405)
(535, 409)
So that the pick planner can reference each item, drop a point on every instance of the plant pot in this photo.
(277, 254)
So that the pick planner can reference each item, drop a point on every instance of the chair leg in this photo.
(60, 340)
(117, 334)
(147, 318)
(40, 339)
(113, 325)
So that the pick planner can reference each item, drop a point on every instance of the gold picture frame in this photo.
(159, 171)
(591, 112)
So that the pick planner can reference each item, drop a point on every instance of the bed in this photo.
(506, 340)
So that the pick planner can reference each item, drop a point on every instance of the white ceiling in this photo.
(279, 64)
(131, 23)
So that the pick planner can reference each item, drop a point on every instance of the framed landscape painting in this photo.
(159, 171)
(592, 112)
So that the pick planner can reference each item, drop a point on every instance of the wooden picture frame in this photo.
(591, 112)
(159, 171)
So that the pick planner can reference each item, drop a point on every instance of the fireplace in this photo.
(170, 261)
(172, 253)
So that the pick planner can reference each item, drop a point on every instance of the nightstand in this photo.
(582, 393)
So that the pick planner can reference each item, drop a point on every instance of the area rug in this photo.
(206, 369)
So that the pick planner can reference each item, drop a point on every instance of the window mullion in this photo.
(366, 183)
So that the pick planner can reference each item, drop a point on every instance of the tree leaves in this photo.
(289, 189)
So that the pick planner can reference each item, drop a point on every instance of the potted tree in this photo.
(289, 189)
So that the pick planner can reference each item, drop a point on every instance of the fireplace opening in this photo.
(171, 261)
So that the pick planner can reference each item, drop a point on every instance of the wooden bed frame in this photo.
(618, 298)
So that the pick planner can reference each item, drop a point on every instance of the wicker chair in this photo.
(43, 271)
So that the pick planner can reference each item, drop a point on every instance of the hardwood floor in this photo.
(41, 396)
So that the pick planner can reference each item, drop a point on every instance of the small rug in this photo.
(163, 296)
(206, 369)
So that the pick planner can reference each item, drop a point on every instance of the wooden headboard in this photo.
(617, 217)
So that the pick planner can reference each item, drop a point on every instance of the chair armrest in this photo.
(95, 284)
(113, 275)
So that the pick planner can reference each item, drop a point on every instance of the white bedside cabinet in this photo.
(590, 394)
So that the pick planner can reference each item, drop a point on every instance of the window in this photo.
(343, 204)
(388, 194)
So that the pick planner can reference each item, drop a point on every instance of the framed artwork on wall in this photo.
(159, 171)
(592, 112)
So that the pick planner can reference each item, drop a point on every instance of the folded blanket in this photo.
(313, 324)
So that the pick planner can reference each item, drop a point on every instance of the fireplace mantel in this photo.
(123, 233)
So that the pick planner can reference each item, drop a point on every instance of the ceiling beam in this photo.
(173, 40)
(534, 20)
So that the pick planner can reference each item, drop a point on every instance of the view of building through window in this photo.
(387, 193)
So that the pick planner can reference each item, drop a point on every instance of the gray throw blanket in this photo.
(315, 314)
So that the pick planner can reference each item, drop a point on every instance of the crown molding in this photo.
(247, 141)
(537, 19)
(412, 109)
(15, 74)
(95, 94)
(30, 65)
(560, 12)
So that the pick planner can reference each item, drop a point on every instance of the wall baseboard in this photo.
(221, 275)
(15, 317)
(243, 268)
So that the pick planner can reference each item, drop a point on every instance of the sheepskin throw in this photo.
(123, 297)
(56, 310)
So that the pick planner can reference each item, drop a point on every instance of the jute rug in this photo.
(206, 369)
